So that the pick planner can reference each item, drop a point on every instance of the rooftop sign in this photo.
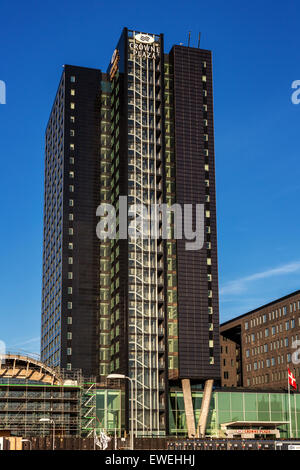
(144, 38)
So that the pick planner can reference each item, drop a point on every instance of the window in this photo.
(70, 260)
(69, 351)
(69, 305)
(70, 290)
(246, 325)
(273, 330)
(70, 275)
(69, 320)
(266, 332)
(284, 311)
(72, 132)
(72, 79)
(72, 92)
(72, 105)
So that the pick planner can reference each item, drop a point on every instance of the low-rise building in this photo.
(240, 413)
(36, 400)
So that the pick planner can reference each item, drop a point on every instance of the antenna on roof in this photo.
(189, 39)
(199, 37)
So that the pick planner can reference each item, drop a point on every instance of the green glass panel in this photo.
(180, 402)
(197, 399)
(224, 417)
(263, 416)
(298, 422)
(171, 412)
(276, 402)
(180, 420)
(224, 401)
(277, 416)
(100, 400)
(237, 416)
(251, 416)
(212, 405)
(250, 401)
(112, 419)
(113, 401)
(237, 402)
(263, 401)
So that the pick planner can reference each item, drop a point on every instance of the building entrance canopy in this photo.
(249, 429)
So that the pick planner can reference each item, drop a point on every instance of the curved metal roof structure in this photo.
(16, 366)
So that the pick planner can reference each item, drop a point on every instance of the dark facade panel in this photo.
(80, 176)
(197, 360)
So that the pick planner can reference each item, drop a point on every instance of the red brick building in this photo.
(258, 347)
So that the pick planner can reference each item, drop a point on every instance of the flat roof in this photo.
(250, 390)
(260, 308)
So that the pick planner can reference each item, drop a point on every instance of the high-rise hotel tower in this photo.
(145, 307)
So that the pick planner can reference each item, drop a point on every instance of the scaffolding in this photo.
(88, 409)
(24, 405)
(36, 400)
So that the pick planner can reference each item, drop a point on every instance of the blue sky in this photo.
(256, 58)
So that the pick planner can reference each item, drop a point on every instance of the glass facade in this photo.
(110, 411)
(228, 407)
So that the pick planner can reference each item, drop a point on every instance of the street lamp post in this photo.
(120, 377)
(48, 420)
